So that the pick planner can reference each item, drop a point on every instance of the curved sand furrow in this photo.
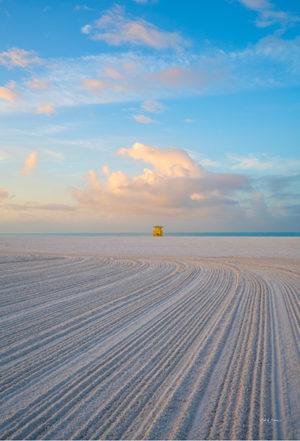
(225, 397)
(149, 348)
(103, 317)
(285, 323)
(13, 273)
(164, 361)
(40, 283)
(188, 425)
(166, 401)
(94, 270)
(68, 387)
(62, 294)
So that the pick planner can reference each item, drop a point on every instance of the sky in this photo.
(117, 116)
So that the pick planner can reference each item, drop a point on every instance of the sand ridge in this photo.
(149, 347)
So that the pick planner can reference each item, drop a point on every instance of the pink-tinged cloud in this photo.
(175, 184)
(9, 95)
(112, 73)
(15, 57)
(175, 76)
(30, 164)
(46, 109)
(94, 84)
(143, 119)
(38, 84)
(185, 78)
(3, 194)
(101, 87)
(170, 161)
(196, 197)
(116, 29)
(105, 170)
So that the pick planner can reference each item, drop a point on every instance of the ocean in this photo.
(192, 234)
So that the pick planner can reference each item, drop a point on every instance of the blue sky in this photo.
(118, 115)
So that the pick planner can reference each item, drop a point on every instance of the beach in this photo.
(149, 338)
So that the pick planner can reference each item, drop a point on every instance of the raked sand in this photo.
(149, 338)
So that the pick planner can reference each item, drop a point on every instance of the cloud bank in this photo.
(126, 77)
(175, 184)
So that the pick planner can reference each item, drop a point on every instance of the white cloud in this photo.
(249, 162)
(256, 5)
(273, 164)
(11, 84)
(56, 156)
(86, 29)
(268, 15)
(128, 77)
(38, 83)
(3, 156)
(46, 109)
(116, 29)
(188, 120)
(29, 164)
(282, 50)
(209, 163)
(143, 119)
(111, 72)
(152, 106)
(167, 162)
(15, 57)
(83, 8)
(175, 183)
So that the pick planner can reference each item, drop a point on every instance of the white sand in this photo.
(149, 338)
(166, 246)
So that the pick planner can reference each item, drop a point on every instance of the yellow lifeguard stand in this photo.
(158, 230)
